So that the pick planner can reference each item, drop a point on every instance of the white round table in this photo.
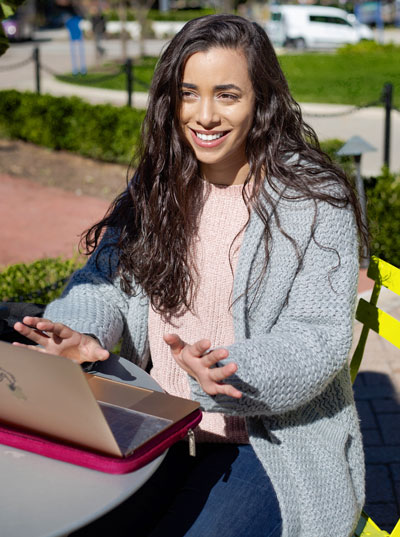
(42, 497)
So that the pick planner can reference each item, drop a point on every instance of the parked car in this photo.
(306, 26)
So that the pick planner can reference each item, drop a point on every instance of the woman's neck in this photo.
(225, 175)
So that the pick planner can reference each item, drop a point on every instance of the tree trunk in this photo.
(122, 10)
(227, 6)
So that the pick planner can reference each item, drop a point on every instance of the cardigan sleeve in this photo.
(293, 362)
(93, 302)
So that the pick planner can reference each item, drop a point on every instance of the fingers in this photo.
(92, 351)
(61, 340)
(200, 347)
(227, 389)
(101, 354)
(212, 387)
(219, 374)
(213, 357)
(31, 332)
(92, 355)
(57, 329)
(196, 361)
(39, 330)
(175, 343)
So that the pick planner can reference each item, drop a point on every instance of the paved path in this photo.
(377, 392)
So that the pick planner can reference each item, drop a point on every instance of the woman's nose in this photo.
(207, 115)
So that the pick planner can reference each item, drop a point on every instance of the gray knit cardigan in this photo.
(292, 340)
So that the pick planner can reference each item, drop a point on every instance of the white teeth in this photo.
(209, 137)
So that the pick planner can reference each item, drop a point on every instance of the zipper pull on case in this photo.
(192, 443)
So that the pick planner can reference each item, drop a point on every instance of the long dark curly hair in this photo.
(156, 217)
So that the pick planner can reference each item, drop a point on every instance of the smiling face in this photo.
(217, 111)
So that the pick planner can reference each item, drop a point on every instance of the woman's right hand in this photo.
(59, 339)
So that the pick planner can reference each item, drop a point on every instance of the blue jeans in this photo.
(222, 492)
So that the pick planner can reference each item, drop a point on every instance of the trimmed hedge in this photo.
(383, 208)
(331, 147)
(369, 47)
(104, 132)
(38, 282)
(180, 15)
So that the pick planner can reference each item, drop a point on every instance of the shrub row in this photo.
(383, 208)
(103, 132)
(369, 47)
(38, 282)
(180, 15)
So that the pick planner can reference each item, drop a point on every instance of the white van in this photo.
(306, 26)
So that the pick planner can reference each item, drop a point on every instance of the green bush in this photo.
(39, 282)
(331, 147)
(383, 205)
(383, 208)
(180, 15)
(156, 15)
(369, 47)
(103, 132)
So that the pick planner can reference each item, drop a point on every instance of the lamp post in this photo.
(355, 147)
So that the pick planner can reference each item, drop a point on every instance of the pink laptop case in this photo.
(29, 441)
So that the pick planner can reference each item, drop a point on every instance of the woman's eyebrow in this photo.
(220, 87)
(227, 87)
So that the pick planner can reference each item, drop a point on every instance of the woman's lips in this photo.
(208, 143)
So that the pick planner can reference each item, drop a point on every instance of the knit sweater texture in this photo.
(293, 334)
(214, 254)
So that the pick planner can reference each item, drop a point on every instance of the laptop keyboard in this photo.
(130, 428)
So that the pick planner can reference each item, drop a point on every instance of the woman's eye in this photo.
(185, 94)
(228, 96)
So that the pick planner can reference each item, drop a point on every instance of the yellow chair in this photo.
(388, 327)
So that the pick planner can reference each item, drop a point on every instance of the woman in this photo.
(233, 258)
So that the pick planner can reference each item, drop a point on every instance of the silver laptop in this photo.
(52, 396)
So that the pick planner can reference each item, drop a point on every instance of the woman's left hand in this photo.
(192, 359)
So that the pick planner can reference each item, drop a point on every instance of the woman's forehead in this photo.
(222, 64)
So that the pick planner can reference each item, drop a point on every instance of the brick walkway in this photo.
(377, 392)
(36, 222)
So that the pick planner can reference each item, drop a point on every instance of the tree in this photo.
(140, 8)
(7, 8)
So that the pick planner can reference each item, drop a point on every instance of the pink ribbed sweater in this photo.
(215, 255)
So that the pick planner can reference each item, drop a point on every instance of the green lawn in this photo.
(142, 74)
(355, 75)
(349, 78)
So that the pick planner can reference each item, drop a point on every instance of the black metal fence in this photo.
(127, 69)
(386, 99)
